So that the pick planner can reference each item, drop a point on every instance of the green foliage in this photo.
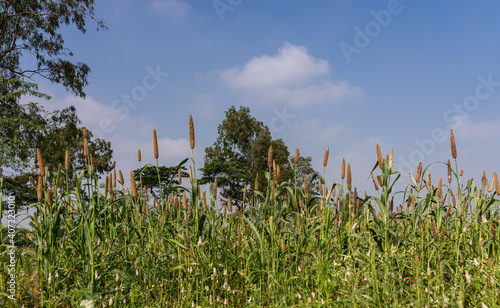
(58, 132)
(30, 27)
(168, 178)
(239, 154)
(63, 133)
(289, 250)
(19, 124)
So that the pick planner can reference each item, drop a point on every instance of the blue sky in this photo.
(412, 70)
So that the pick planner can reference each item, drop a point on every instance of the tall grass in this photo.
(287, 246)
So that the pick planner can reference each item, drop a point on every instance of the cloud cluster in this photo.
(291, 76)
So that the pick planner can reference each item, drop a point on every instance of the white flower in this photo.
(484, 219)
(298, 295)
(313, 295)
(192, 304)
(475, 262)
(483, 305)
(467, 276)
(199, 241)
(308, 299)
(190, 270)
(225, 273)
(215, 272)
(250, 299)
(87, 303)
(111, 302)
(298, 268)
(322, 302)
(116, 277)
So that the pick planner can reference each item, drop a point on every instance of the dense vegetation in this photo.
(286, 247)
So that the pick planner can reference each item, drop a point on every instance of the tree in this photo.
(19, 124)
(31, 46)
(240, 153)
(61, 132)
(30, 28)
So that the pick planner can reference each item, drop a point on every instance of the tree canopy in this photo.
(32, 46)
(58, 132)
(30, 28)
(240, 153)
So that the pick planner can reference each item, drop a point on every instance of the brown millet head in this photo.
(297, 155)
(453, 145)
(133, 184)
(40, 189)
(325, 159)
(342, 172)
(122, 180)
(191, 132)
(390, 160)
(85, 147)
(270, 157)
(419, 173)
(155, 144)
(379, 157)
(41, 165)
(349, 177)
(374, 182)
(497, 184)
(66, 161)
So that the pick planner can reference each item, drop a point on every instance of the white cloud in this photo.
(174, 8)
(477, 130)
(291, 66)
(292, 76)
